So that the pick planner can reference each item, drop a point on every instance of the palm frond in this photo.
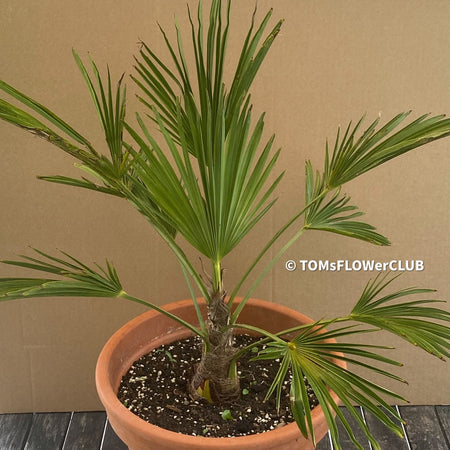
(162, 87)
(309, 356)
(76, 280)
(80, 280)
(169, 190)
(413, 321)
(231, 194)
(26, 121)
(353, 156)
(111, 111)
(333, 213)
(45, 113)
(216, 198)
(83, 183)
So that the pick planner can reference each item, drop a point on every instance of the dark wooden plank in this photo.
(48, 431)
(423, 428)
(324, 443)
(344, 439)
(111, 441)
(387, 439)
(14, 429)
(443, 413)
(85, 431)
(428, 427)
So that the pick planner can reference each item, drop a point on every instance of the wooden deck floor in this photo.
(428, 428)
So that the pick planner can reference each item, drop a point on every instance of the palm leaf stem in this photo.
(78, 280)
(152, 216)
(194, 301)
(266, 270)
(321, 323)
(195, 330)
(269, 246)
(255, 329)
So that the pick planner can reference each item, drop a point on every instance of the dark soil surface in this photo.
(155, 389)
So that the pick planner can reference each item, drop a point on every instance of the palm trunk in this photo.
(213, 371)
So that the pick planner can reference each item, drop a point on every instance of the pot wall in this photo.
(151, 330)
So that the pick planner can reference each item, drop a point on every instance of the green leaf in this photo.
(333, 213)
(310, 354)
(354, 156)
(46, 113)
(413, 321)
(161, 87)
(313, 352)
(22, 119)
(111, 111)
(229, 198)
(84, 183)
(81, 280)
(300, 403)
(77, 280)
(226, 415)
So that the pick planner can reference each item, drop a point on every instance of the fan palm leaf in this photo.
(354, 156)
(413, 321)
(309, 356)
(76, 280)
(215, 198)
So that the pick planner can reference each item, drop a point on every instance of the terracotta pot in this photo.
(152, 329)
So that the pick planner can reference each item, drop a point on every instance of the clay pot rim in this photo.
(109, 397)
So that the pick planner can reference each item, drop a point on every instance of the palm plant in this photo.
(209, 180)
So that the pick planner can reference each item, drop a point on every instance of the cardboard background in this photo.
(333, 61)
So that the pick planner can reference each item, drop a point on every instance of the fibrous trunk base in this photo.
(215, 378)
